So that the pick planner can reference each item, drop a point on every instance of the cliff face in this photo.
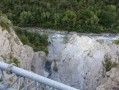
(12, 50)
(79, 61)
(80, 64)
(11, 47)
(111, 81)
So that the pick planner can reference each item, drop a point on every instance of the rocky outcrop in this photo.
(111, 81)
(38, 62)
(12, 48)
(81, 62)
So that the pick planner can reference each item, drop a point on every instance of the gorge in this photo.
(76, 60)
(75, 42)
(80, 59)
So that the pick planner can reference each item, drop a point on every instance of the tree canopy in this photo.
(72, 15)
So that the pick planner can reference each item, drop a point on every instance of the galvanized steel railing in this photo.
(30, 80)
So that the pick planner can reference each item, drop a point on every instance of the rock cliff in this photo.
(13, 51)
(111, 81)
(80, 64)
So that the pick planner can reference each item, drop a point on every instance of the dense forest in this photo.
(72, 15)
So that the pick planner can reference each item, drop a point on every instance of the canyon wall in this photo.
(80, 61)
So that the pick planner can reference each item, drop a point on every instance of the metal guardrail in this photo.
(38, 80)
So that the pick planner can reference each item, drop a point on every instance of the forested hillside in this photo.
(71, 15)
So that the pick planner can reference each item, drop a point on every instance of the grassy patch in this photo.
(4, 22)
(14, 60)
(108, 64)
(4, 57)
(116, 41)
(65, 39)
(100, 41)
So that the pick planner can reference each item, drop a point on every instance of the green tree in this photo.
(71, 15)
(69, 20)
(108, 16)
(26, 18)
(24, 39)
(88, 20)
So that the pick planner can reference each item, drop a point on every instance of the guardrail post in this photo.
(3, 78)
(25, 83)
(19, 83)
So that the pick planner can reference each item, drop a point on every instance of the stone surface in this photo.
(37, 64)
(79, 61)
(111, 81)
(10, 45)
(80, 64)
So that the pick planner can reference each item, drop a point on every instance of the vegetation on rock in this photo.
(4, 22)
(55, 68)
(116, 41)
(65, 39)
(14, 60)
(35, 40)
(108, 64)
(100, 41)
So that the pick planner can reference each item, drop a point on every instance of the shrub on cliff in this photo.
(116, 41)
(108, 64)
(14, 60)
(35, 40)
(4, 22)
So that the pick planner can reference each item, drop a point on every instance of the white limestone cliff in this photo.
(12, 47)
(81, 62)
(111, 81)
